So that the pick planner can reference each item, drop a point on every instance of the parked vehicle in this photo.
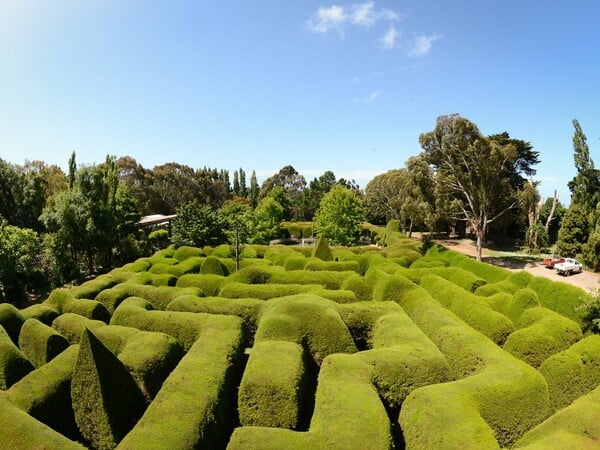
(568, 267)
(555, 259)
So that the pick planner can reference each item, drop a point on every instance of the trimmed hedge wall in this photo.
(573, 372)
(40, 343)
(71, 326)
(45, 393)
(20, 430)
(348, 414)
(495, 399)
(14, 365)
(196, 406)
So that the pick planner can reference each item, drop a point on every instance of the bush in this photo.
(11, 320)
(45, 393)
(40, 343)
(184, 252)
(573, 372)
(106, 399)
(71, 326)
(274, 387)
(213, 265)
(322, 250)
(13, 363)
(209, 285)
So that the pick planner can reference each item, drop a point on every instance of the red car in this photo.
(556, 259)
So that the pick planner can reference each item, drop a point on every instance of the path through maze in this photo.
(362, 348)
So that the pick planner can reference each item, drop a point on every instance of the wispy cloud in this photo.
(421, 44)
(335, 17)
(388, 41)
(369, 98)
(327, 19)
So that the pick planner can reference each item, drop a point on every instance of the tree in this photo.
(19, 268)
(293, 184)
(339, 216)
(585, 186)
(265, 221)
(254, 190)
(471, 170)
(198, 225)
(574, 231)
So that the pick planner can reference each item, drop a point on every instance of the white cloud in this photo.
(421, 44)
(335, 17)
(326, 19)
(370, 98)
(388, 41)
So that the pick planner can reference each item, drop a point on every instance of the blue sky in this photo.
(341, 86)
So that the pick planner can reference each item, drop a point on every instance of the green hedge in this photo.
(469, 307)
(274, 387)
(573, 372)
(184, 252)
(64, 302)
(11, 320)
(45, 393)
(265, 291)
(563, 298)
(576, 426)
(43, 313)
(357, 284)
(13, 363)
(542, 334)
(148, 356)
(91, 288)
(348, 414)
(210, 285)
(305, 319)
(71, 326)
(246, 308)
(40, 343)
(20, 430)
(106, 399)
(495, 399)
(196, 406)
(213, 265)
(154, 279)
(139, 265)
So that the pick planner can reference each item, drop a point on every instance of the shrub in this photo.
(12, 320)
(20, 430)
(71, 326)
(45, 393)
(346, 266)
(106, 400)
(43, 313)
(40, 343)
(91, 288)
(264, 291)
(13, 363)
(573, 372)
(139, 265)
(274, 386)
(213, 265)
(194, 408)
(62, 301)
(563, 298)
(358, 285)
(322, 250)
(207, 283)
(184, 252)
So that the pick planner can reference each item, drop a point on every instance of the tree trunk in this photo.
(410, 227)
(479, 232)
(552, 210)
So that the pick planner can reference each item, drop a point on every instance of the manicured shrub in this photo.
(246, 308)
(153, 279)
(254, 251)
(348, 414)
(563, 298)
(45, 393)
(295, 262)
(213, 265)
(542, 333)
(428, 262)
(575, 426)
(207, 283)
(274, 387)
(12, 320)
(40, 343)
(326, 279)
(139, 265)
(14, 365)
(148, 356)
(112, 298)
(346, 266)
(106, 399)
(573, 372)
(253, 274)
(264, 291)
(469, 307)
(307, 319)
(195, 407)
(20, 430)
(91, 288)
(495, 399)
(513, 306)
(43, 313)
(322, 250)
(62, 301)
(184, 252)
(358, 285)
(71, 326)
(222, 251)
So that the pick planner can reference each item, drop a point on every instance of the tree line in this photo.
(57, 226)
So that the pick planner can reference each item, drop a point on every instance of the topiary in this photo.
(322, 250)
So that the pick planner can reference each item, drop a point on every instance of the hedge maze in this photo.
(302, 347)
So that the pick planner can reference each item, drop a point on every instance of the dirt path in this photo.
(589, 281)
